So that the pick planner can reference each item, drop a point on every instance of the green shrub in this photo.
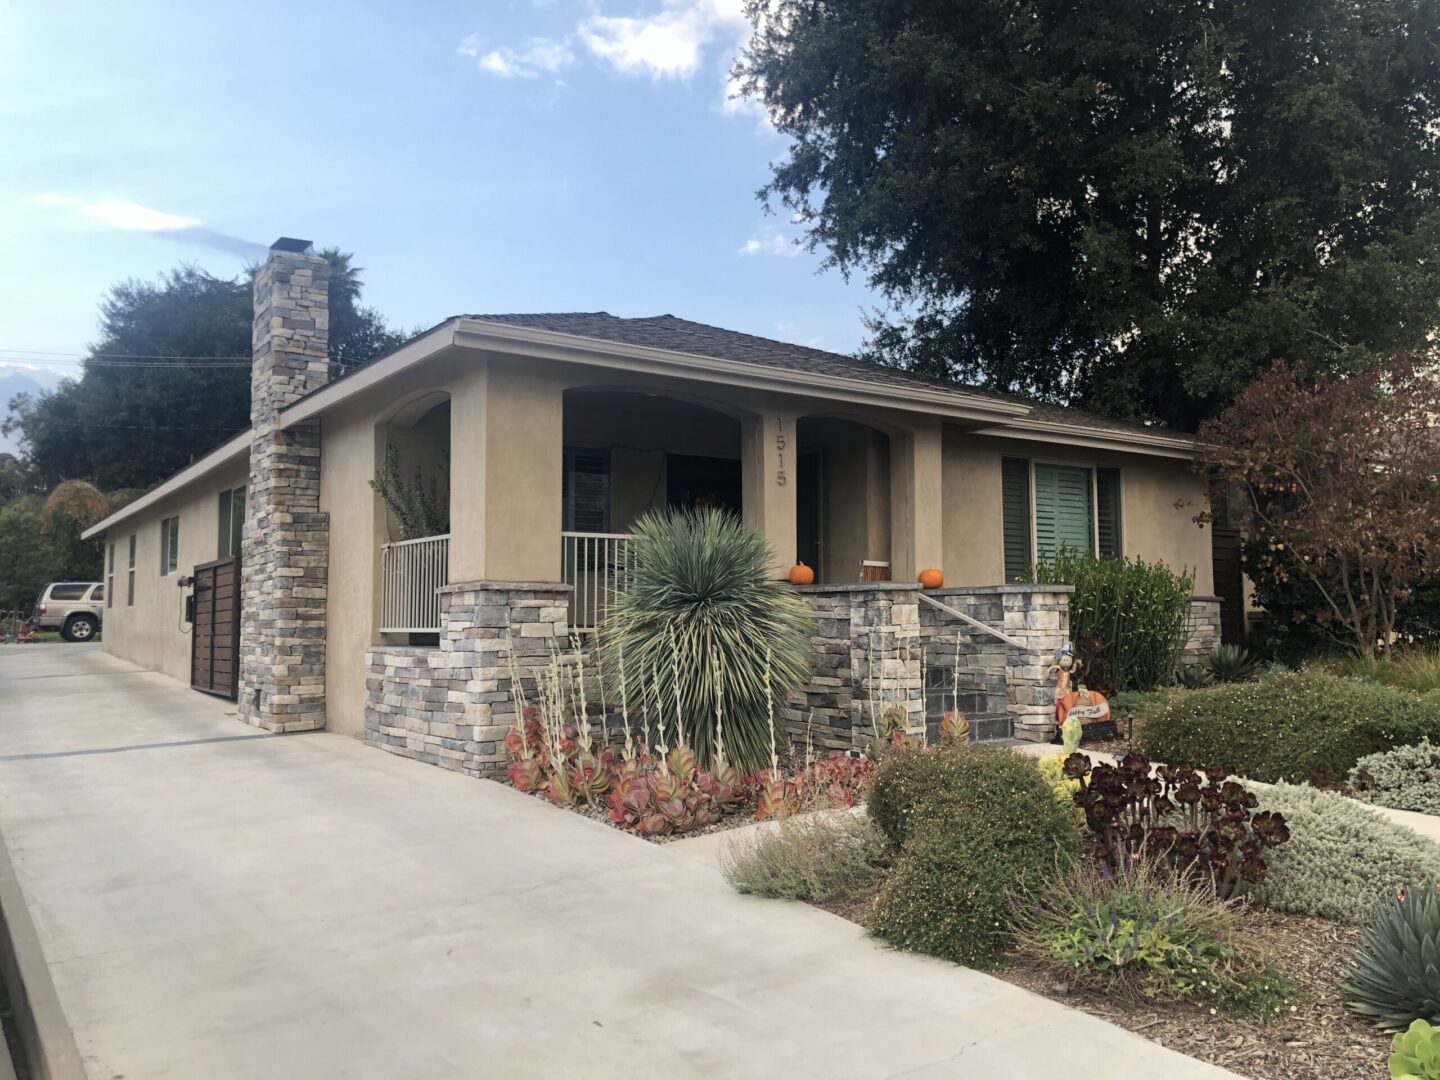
(1138, 611)
(1300, 726)
(701, 611)
(818, 857)
(1143, 932)
(1405, 778)
(1395, 976)
(1343, 860)
(1415, 1053)
(987, 831)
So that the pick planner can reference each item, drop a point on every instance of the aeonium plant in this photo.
(1198, 820)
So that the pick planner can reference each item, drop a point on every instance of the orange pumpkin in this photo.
(931, 579)
(800, 574)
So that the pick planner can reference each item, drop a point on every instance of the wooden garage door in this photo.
(215, 632)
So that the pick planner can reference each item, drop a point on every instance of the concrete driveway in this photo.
(215, 902)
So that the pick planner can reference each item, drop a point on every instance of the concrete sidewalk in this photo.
(215, 902)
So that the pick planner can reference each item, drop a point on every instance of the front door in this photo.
(809, 512)
(1229, 582)
(215, 629)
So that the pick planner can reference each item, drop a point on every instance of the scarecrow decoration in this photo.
(1073, 701)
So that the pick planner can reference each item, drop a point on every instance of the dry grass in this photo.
(826, 857)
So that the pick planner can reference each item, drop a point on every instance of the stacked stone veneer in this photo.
(868, 658)
(1202, 633)
(285, 547)
(451, 704)
(878, 644)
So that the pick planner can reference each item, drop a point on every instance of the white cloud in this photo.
(771, 241)
(668, 44)
(132, 217)
(536, 57)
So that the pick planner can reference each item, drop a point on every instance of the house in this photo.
(271, 572)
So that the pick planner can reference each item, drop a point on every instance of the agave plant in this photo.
(1193, 676)
(703, 633)
(1395, 976)
(1232, 663)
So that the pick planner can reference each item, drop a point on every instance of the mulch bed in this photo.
(740, 818)
(1320, 1039)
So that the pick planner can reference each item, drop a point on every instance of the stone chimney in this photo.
(285, 551)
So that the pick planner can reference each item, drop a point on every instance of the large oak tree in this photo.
(1133, 206)
(169, 377)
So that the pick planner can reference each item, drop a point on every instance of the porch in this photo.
(843, 494)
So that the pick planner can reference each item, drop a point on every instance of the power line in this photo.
(117, 356)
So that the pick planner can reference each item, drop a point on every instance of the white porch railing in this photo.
(598, 566)
(412, 571)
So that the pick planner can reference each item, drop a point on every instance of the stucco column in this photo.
(767, 459)
(916, 518)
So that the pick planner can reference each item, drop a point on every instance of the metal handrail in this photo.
(416, 540)
(970, 621)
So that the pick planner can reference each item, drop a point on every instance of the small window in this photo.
(130, 575)
(109, 575)
(98, 594)
(169, 546)
(69, 591)
(232, 522)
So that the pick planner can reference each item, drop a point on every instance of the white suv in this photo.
(72, 607)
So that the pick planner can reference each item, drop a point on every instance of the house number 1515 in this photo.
(780, 478)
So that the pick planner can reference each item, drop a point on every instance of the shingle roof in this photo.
(700, 339)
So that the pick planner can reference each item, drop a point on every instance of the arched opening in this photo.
(842, 499)
(412, 484)
(628, 452)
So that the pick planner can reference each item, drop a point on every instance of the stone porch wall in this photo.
(885, 626)
(998, 678)
(450, 705)
(1202, 635)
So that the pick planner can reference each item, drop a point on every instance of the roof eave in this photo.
(1078, 433)
(215, 460)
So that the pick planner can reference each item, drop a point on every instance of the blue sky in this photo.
(516, 155)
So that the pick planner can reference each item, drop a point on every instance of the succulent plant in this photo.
(954, 728)
(1194, 818)
(1395, 976)
(1232, 663)
(1415, 1053)
(1193, 676)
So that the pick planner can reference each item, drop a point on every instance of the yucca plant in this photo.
(1232, 663)
(1395, 976)
(709, 640)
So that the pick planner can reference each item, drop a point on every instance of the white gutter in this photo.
(216, 459)
(1098, 437)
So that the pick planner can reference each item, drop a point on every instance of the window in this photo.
(130, 575)
(1047, 507)
(232, 522)
(585, 490)
(1015, 509)
(169, 545)
(98, 594)
(69, 591)
(109, 575)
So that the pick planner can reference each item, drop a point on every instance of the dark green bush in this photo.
(1138, 612)
(1299, 726)
(980, 828)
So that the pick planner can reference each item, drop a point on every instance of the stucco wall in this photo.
(1152, 526)
(152, 632)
